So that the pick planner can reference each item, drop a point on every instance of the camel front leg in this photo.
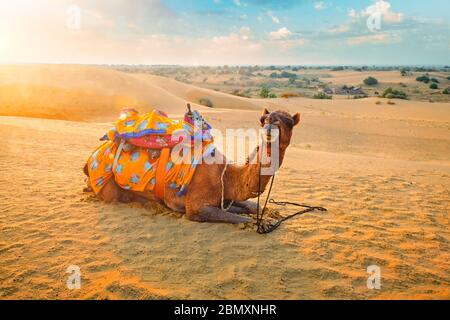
(214, 214)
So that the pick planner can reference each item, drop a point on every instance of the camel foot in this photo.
(236, 209)
(248, 205)
(214, 214)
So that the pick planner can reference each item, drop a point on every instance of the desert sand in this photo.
(382, 171)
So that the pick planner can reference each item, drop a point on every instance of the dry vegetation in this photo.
(297, 81)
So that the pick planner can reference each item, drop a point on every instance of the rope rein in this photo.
(263, 228)
(222, 206)
(267, 228)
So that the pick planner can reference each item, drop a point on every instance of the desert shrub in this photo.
(370, 81)
(434, 86)
(434, 80)
(287, 95)
(206, 102)
(288, 75)
(394, 94)
(446, 91)
(424, 79)
(337, 69)
(274, 75)
(322, 95)
(240, 93)
(378, 102)
(360, 96)
(264, 93)
(391, 102)
(448, 78)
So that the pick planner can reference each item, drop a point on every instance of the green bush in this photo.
(446, 91)
(424, 79)
(394, 94)
(264, 93)
(288, 75)
(322, 95)
(434, 80)
(433, 86)
(448, 78)
(206, 102)
(274, 75)
(370, 81)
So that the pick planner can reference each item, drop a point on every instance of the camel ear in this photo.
(263, 117)
(296, 118)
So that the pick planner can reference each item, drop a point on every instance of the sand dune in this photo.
(383, 172)
(72, 92)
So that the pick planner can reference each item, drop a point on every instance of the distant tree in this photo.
(370, 81)
(434, 86)
(264, 93)
(289, 75)
(434, 80)
(340, 68)
(394, 94)
(448, 78)
(424, 79)
(274, 75)
(272, 95)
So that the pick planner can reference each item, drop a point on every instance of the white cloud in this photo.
(340, 29)
(320, 5)
(273, 17)
(281, 33)
(237, 2)
(384, 8)
(352, 13)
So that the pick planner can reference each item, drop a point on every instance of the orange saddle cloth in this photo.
(139, 168)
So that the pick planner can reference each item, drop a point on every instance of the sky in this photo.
(219, 32)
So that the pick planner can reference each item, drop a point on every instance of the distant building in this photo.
(328, 90)
(349, 91)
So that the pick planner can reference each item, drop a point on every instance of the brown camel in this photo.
(203, 200)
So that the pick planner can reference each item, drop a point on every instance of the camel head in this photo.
(281, 120)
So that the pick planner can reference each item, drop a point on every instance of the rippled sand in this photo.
(385, 183)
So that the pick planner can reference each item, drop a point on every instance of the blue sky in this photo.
(217, 32)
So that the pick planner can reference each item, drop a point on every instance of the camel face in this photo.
(281, 120)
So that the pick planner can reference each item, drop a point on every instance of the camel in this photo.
(203, 201)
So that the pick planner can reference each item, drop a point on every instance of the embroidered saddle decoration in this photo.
(151, 151)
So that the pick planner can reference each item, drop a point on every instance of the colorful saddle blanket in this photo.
(132, 148)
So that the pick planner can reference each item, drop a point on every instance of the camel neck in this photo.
(242, 181)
